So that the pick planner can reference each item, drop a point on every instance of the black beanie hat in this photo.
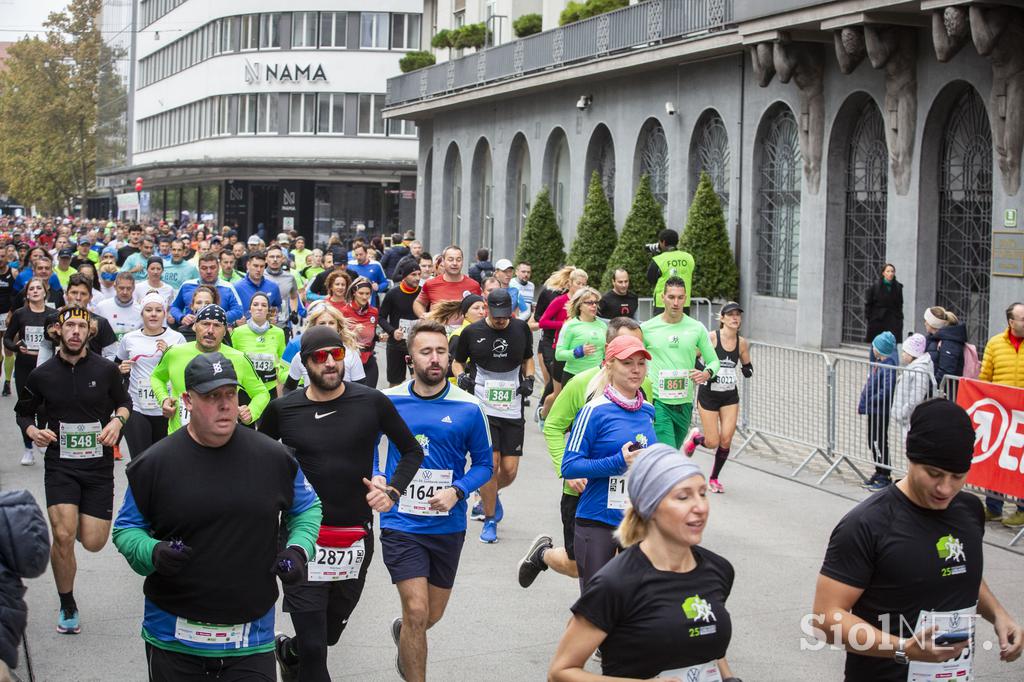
(941, 435)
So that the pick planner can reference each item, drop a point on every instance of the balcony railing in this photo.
(646, 23)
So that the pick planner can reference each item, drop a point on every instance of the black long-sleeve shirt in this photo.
(335, 441)
(88, 391)
(397, 305)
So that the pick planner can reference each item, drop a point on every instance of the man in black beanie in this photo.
(901, 586)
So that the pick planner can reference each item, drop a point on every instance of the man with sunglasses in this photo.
(309, 421)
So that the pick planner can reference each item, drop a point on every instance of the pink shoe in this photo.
(690, 444)
(715, 487)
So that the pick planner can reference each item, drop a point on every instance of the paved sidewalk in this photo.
(774, 531)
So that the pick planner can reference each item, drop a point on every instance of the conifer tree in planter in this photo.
(527, 25)
(541, 243)
(596, 235)
(644, 222)
(706, 239)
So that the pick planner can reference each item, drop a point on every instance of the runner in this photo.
(471, 309)
(451, 285)
(310, 422)
(364, 317)
(581, 340)
(23, 337)
(154, 282)
(552, 319)
(373, 272)
(338, 281)
(208, 271)
(631, 609)
(556, 285)
(288, 285)
(104, 340)
(522, 284)
(210, 327)
(202, 296)
(542, 553)
(494, 359)
(255, 282)
(906, 565)
(121, 311)
(421, 540)
(138, 353)
(322, 313)
(673, 339)
(619, 301)
(397, 317)
(262, 342)
(7, 276)
(200, 520)
(66, 409)
(719, 399)
(604, 441)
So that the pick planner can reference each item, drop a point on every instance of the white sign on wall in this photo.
(259, 72)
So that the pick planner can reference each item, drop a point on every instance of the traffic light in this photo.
(138, 184)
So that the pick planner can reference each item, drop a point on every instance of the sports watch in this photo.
(901, 652)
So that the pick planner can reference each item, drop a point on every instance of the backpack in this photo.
(972, 365)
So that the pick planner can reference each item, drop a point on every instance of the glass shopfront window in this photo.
(339, 208)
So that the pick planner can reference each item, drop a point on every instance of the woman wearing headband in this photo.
(262, 342)
(657, 610)
(138, 354)
(364, 317)
(603, 442)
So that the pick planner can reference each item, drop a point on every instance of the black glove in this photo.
(526, 386)
(170, 557)
(290, 565)
(294, 317)
(465, 382)
(748, 370)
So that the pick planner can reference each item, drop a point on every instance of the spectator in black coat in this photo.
(883, 305)
(945, 338)
(24, 553)
(483, 267)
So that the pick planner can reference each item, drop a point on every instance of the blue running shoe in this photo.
(478, 512)
(499, 511)
(489, 534)
(67, 622)
(880, 483)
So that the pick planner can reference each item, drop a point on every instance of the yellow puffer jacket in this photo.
(1003, 364)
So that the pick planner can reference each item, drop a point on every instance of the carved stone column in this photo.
(804, 64)
(894, 49)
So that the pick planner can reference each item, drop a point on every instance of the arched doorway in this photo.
(451, 204)
(652, 159)
(864, 230)
(482, 210)
(517, 190)
(778, 221)
(557, 174)
(965, 215)
(601, 158)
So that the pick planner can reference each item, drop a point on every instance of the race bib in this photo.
(960, 669)
(331, 564)
(80, 441)
(3, 322)
(33, 337)
(144, 397)
(424, 485)
(674, 384)
(705, 672)
(406, 327)
(618, 494)
(500, 395)
(725, 381)
(263, 363)
(184, 414)
(207, 633)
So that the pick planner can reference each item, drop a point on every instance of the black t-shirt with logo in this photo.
(658, 621)
(907, 559)
(614, 305)
(495, 350)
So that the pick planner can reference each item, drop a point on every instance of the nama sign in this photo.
(256, 72)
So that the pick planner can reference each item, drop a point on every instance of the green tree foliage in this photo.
(596, 235)
(442, 39)
(416, 60)
(470, 35)
(49, 97)
(575, 11)
(644, 222)
(541, 243)
(527, 25)
(706, 239)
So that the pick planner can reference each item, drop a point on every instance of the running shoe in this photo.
(67, 622)
(499, 511)
(993, 516)
(536, 413)
(396, 634)
(7, 388)
(117, 453)
(28, 458)
(1014, 520)
(532, 562)
(489, 534)
(478, 511)
(289, 671)
(868, 484)
(715, 487)
(690, 444)
(880, 483)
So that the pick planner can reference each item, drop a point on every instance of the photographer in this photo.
(667, 261)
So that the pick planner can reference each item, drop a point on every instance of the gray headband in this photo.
(655, 472)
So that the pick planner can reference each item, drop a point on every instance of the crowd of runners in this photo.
(239, 380)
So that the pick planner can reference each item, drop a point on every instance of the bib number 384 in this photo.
(500, 395)
(80, 441)
(331, 564)
(425, 484)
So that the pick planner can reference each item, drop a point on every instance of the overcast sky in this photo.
(21, 17)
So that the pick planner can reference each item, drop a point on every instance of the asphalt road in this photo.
(774, 530)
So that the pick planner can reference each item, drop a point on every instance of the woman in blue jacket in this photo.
(876, 403)
(608, 434)
(945, 336)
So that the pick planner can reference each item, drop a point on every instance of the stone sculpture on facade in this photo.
(894, 49)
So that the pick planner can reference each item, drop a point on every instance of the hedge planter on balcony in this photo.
(416, 60)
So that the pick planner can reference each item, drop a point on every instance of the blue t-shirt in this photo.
(594, 452)
(448, 427)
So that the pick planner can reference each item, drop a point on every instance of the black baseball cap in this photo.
(209, 371)
(66, 253)
(730, 307)
(499, 303)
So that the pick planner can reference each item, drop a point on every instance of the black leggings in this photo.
(23, 366)
(142, 430)
(372, 372)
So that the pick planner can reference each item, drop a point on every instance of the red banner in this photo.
(998, 416)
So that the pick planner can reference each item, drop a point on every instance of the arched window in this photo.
(452, 198)
(867, 179)
(601, 158)
(711, 156)
(965, 215)
(778, 224)
(560, 186)
(654, 159)
(483, 193)
(518, 186)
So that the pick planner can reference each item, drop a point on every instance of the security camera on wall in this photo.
(670, 108)
(583, 103)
